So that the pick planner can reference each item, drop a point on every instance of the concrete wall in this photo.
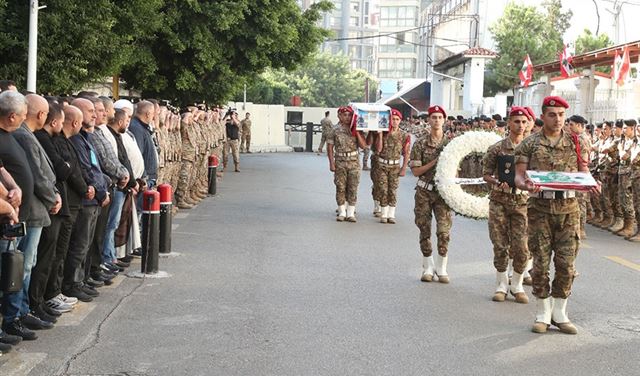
(267, 126)
(309, 114)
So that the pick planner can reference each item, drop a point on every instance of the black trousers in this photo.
(94, 257)
(81, 238)
(46, 255)
(54, 284)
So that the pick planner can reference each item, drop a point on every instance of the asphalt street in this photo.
(268, 283)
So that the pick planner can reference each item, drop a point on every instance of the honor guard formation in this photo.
(72, 175)
(533, 228)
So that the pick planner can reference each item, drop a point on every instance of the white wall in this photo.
(267, 126)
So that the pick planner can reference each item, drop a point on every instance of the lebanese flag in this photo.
(566, 69)
(526, 73)
(621, 66)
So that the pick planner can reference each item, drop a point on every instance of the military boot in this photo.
(384, 216)
(559, 317)
(517, 290)
(184, 204)
(543, 315)
(618, 224)
(627, 228)
(237, 169)
(341, 213)
(428, 267)
(351, 213)
(502, 281)
(635, 238)
(392, 215)
(607, 220)
(441, 268)
(377, 211)
(527, 280)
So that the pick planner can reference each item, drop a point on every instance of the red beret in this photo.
(397, 113)
(518, 111)
(344, 109)
(555, 101)
(435, 109)
(532, 115)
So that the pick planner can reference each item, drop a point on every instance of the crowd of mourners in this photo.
(72, 173)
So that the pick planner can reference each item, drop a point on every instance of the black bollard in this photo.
(213, 177)
(309, 139)
(165, 217)
(150, 231)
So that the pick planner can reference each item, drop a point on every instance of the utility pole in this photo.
(32, 60)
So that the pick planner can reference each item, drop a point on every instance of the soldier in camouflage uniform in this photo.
(424, 157)
(198, 191)
(635, 185)
(611, 187)
(188, 158)
(391, 146)
(604, 167)
(219, 134)
(161, 136)
(342, 150)
(625, 198)
(326, 125)
(373, 174)
(508, 212)
(576, 127)
(176, 154)
(245, 141)
(554, 216)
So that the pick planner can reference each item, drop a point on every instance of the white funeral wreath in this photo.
(450, 187)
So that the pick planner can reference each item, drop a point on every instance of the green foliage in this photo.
(524, 30)
(587, 42)
(324, 80)
(175, 49)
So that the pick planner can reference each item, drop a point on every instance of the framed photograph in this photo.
(372, 117)
(562, 181)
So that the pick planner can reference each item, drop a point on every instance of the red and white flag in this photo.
(526, 73)
(566, 59)
(621, 66)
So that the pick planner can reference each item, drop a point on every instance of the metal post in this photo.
(309, 143)
(32, 60)
(165, 217)
(150, 232)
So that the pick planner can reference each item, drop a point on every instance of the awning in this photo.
(417, 91)
(601, 57)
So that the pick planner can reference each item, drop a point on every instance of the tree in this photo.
(524, 30)
(173, 49)
(208, 49)
(325, 80)
(587, 42)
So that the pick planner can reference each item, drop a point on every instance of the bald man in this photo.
(84, 228)
(46, 201)
(140, 126)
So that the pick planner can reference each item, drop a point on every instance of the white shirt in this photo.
(134, 154)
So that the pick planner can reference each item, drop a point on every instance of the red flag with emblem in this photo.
(621, 66)
(526, 72)
(566, 69)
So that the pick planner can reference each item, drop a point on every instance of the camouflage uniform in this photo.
(389, 165)
(189, 153)
(347, 174)
(611, 191)
(427, 198)
(176, 152)
(554, 224)
(625, 197)
(245, 143)
(507, 215)
(161, 134)
(635, 187)
(326, 126)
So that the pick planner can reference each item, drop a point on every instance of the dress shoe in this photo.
(127, 258)
(9, 339)
(93, 283)
(16, 328)
(52, 311)
(76, 292)
(42, 315)
(137, 252)
(121, 264)
(35, 323)
(89, 290)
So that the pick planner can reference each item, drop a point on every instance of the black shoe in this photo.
(8, 339)
(127, 258)
(35, 323)
(114, 267)
(93, 283)
(89, 290)
(4, 348)
(41, 314)
(103, 276)
(122, 264)
(137, 252)
(109, 268)
(51, 311)
(16, 328)
(76, 292)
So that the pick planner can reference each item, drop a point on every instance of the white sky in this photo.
(584, 16)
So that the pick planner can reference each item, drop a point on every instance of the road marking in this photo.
(623, 262)
(75, 317)
(21, 363)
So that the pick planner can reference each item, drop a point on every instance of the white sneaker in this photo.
(67, 299)
(58, 305)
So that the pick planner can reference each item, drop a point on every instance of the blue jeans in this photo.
(115, 211)
(15, 305)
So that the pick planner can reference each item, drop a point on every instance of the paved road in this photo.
(268, 283)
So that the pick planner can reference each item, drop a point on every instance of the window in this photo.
(399, 42)
(396, 68)
(353, 21)
(398, 16)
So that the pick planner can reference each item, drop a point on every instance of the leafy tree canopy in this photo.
(525, 30)
(323, 81)
(175, 49)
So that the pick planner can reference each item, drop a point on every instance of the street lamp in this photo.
(32, 60)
